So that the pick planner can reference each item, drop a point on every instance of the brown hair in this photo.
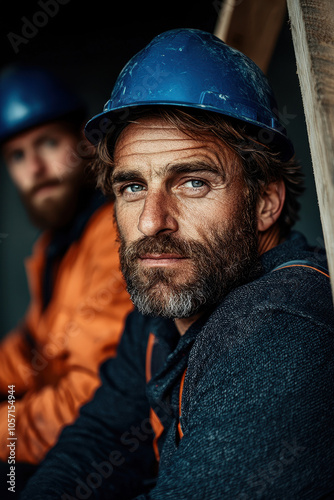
(261, 164)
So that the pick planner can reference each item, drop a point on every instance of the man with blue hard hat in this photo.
(222, 383)
(78, 297)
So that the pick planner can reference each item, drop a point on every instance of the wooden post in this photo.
(251, 26)
(312, 25)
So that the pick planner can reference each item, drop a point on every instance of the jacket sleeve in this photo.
(80, 329)
(107, 452)
(259, 423)
(15, 362)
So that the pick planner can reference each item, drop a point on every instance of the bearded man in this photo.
(223, 377)
(78, 297)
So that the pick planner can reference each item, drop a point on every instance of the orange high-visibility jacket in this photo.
(54, 357)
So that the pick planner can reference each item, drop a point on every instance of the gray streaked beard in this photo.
(227, 259)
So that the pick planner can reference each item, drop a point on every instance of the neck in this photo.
(269, 239)
(182, 324)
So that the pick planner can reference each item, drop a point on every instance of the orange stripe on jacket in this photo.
(55, 369)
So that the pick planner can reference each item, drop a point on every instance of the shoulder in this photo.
(294, 284)
(268, 341)
(102, 220)
(296, 290)
(284, 314)
(99, 237)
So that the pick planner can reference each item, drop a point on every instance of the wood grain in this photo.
(312, 25)
(252, 26)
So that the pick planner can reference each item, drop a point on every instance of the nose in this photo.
(35, 164)
(156, 216)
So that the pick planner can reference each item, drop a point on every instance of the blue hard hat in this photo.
(31, 96)
(194, 69)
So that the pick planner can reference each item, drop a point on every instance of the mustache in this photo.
(160, 244)
(40, 185)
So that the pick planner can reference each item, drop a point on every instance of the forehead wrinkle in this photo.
(140, 146)
(130, 171)
(136, 143)
(164, 146)
(150, 131)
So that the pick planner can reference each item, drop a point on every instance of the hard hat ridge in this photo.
(194, 69)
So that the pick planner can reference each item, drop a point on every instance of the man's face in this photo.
(187, 233)
(47, 171)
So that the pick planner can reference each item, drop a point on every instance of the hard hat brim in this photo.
(109, 121)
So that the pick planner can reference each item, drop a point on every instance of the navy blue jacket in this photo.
(257, 405)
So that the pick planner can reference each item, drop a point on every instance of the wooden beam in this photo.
(312, 25)
(252, 26)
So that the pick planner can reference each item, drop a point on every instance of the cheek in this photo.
(195, 217)
(127, 216)
(64, 162)
(20, 178)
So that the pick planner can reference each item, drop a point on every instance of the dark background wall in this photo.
(87, 44)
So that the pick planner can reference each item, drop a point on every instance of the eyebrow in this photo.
(126, 175)
(9, 150)
(42, 138)
(176, 168)
(193, 166)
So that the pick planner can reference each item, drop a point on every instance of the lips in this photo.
(161, 259)
(43, 185)
(162, 249)
(162, 256)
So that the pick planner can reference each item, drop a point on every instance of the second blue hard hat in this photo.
(194, 69)
(31, 96)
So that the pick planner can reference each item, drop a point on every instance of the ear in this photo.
(270, 205)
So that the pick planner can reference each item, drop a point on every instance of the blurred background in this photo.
(87, 44)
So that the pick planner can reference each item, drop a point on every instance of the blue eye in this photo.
(195, 183)
(134, 188)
